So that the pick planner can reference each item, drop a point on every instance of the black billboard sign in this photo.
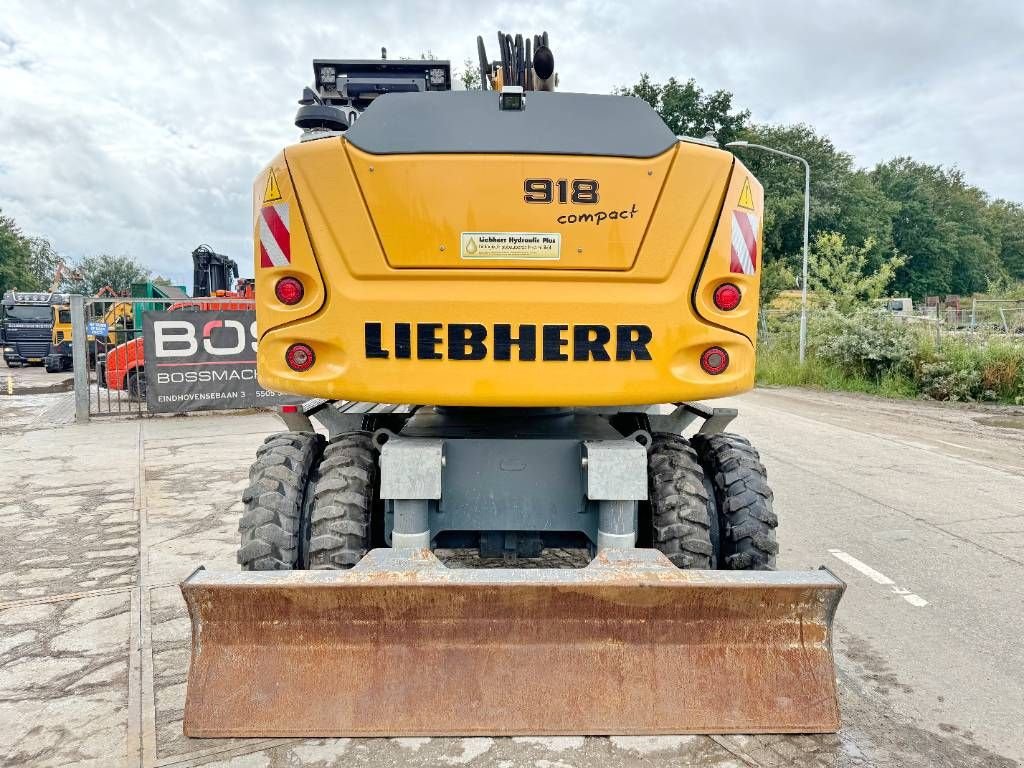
(203, 361)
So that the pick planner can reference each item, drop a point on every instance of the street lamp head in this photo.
(737, 143)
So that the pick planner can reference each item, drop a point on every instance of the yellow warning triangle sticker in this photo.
(273, 192)
(746, 198)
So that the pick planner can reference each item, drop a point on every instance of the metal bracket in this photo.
(294, 419)
(411, 468)
(616, 470)
(715, 419)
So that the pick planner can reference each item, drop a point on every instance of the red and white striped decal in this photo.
(275, 240)
(744, 243)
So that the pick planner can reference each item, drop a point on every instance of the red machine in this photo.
(124, 366)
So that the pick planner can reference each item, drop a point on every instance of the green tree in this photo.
(843, 199)
(942, 224)
(15, 258)
(843, 273)
(688, 110)
(1006, 224)
(95, 272)
(776, 277)
(43, 260)
(954, 239)
(469, 76)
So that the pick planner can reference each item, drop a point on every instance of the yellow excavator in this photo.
(505, 305)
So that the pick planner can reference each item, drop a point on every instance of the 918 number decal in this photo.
(582, 191)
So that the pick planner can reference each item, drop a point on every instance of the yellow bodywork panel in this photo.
(618, 312)
(421, 205)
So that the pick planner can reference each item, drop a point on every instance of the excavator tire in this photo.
(682, 510)
(341, 503)
(274, 502)
(744, 500)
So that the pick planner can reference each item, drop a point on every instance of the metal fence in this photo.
(983, 320)
(108, 352)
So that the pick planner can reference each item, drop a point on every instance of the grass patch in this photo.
(782, 368)
(873, 352)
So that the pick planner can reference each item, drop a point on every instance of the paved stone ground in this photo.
(100, 522)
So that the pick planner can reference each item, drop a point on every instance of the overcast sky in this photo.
(138, 127)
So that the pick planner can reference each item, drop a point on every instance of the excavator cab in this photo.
(505, 306)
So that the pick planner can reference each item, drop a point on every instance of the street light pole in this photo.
(807, 218)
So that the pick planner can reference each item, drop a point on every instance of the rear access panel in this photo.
(402, 646)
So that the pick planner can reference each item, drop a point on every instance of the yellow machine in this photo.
(118, 318)
(547, 281)
(59, 357)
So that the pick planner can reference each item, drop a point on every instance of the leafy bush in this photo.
(776, 277)
(843, 272)
(941, 381)
(872, 351)
(866, 343)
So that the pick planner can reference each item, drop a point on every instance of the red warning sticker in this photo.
(275, 240)
(744, 243)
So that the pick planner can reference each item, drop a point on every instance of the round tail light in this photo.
(300, 357)
(714, 360)
(727, 297)
(289, 290)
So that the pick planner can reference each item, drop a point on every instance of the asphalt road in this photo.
(931, 499)
(918, 507)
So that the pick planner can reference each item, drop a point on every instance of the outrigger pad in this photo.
(403, 646)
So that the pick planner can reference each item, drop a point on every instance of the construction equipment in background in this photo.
(110, 324)
(215, 279)
(26, 325)
(541, 272)
(59, 357)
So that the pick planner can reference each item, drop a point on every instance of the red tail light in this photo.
(289, 290)
(300, 357)
(727, 297)
(714, 360)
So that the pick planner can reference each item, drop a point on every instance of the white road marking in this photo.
(867, 570)
(965, 447)
(879, 578)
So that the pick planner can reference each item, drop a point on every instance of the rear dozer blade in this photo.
(403, 646)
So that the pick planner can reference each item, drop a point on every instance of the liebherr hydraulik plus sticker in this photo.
(533, 246)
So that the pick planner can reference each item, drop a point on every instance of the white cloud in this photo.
(138, 128)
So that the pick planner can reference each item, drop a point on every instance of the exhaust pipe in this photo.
(545, 78)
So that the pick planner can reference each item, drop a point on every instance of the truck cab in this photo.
(26, 325)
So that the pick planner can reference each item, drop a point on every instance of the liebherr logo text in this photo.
(503, 341)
